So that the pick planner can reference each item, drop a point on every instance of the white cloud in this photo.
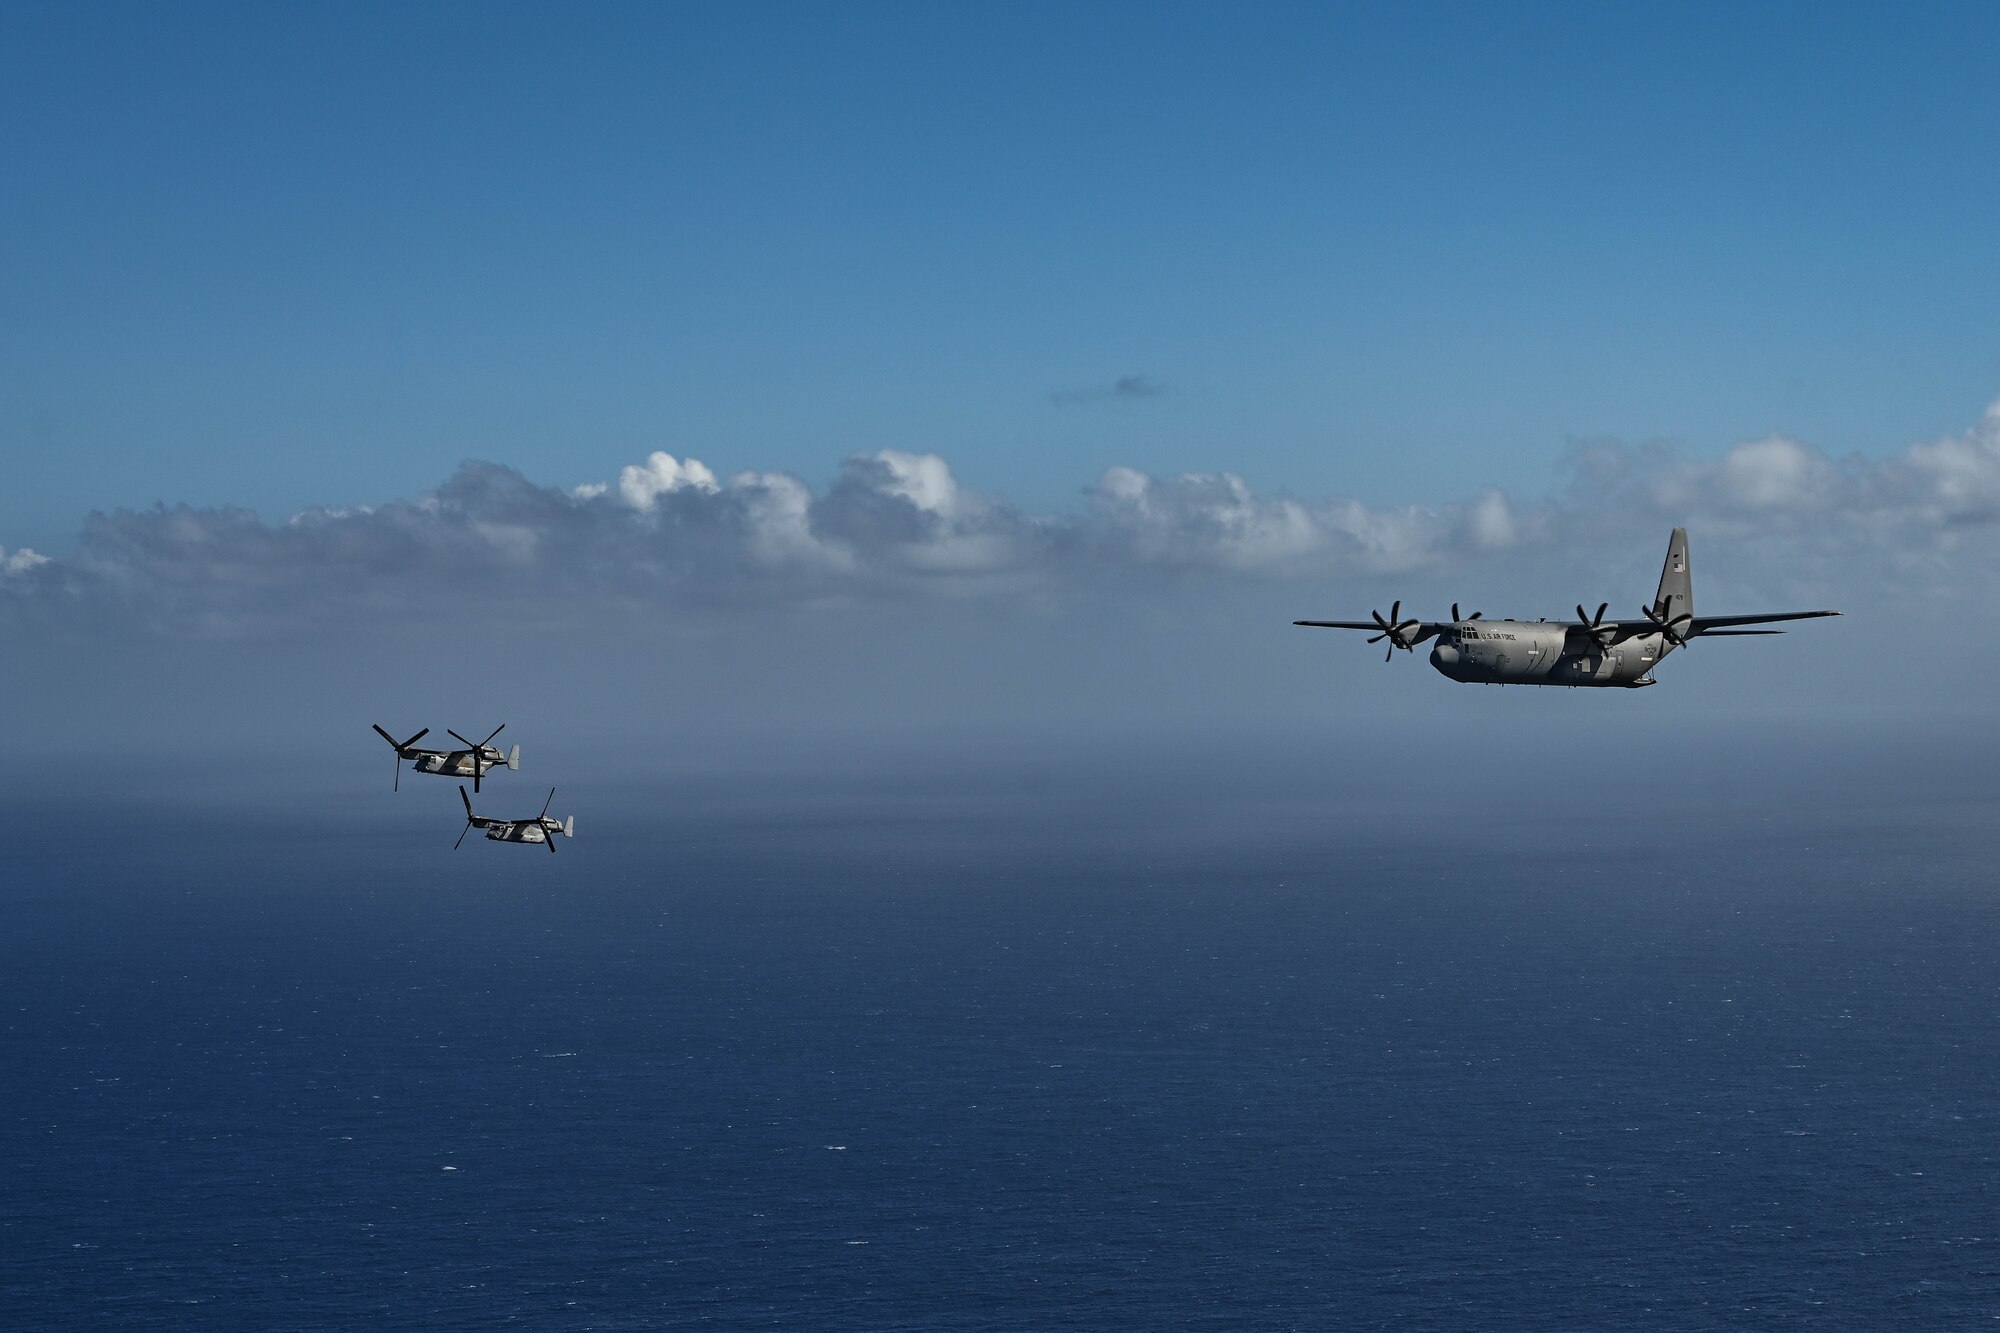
(21, 561)
(924, 480)
(778, 511)
(1491, 521)
(1200, 519)
(1775, 473)
(661, 474)
(1215, 520)
(1959, 478)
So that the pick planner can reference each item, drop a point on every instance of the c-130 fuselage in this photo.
(1538, 652)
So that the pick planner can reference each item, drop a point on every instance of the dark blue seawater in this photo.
(1702, 1048)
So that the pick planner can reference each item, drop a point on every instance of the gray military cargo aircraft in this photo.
(1589, 650)
(539, 829)
(474, 761)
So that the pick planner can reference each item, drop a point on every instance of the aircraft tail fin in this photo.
(514, 759)
(569, 827)
(1675, 598)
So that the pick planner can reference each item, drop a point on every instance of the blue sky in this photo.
(902, 367)
(279, 256)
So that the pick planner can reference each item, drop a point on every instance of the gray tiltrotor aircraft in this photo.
(1589, 650)
(539, 829)
(472, 762)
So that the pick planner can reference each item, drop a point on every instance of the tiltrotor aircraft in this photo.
(474, 761)
(539, 829)
(1589, 650)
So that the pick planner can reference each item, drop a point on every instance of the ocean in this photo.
(1138, 1038)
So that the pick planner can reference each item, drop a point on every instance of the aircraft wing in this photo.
(1708, 624)
(1424, 628)
(1621, 630)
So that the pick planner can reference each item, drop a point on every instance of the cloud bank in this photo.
(670, 533)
